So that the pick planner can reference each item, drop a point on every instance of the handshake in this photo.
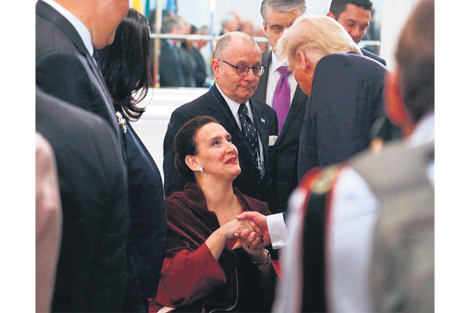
(251, 232)
(251, 229)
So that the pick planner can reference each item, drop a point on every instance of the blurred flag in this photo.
(137, 4)
(172, 6)
(149, 6)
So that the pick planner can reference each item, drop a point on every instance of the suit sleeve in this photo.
(307, 158)
(173, 182)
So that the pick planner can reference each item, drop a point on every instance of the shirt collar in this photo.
(76, 23)
(275, 63)
(234, 105)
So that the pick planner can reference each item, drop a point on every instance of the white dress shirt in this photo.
(354, 214)
(273, 78)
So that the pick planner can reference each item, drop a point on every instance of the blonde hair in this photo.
(316, 37)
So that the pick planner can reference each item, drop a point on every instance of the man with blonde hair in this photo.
(344, 88)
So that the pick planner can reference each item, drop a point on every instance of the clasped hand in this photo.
(249, 235)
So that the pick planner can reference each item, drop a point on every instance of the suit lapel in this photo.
(49, 13)
(260, 121)
(263, 80)
(299, 100)
(99, 76)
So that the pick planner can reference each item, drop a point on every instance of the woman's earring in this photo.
(201, 169)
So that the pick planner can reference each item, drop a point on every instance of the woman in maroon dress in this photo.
(213, 262)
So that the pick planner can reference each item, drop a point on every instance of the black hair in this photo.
(126, 64)
(339, 6)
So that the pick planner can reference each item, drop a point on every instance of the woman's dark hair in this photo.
(126, 64)
(185, 144)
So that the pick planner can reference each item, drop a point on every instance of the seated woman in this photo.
(213, 261)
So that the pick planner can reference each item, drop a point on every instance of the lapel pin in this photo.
(263, 120)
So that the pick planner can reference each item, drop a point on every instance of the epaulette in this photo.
(325, 179)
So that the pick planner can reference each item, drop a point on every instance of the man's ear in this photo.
(265, 28)
(304, 62)
(192, 163)
(394, 105)
(330, 14)
(215, 68)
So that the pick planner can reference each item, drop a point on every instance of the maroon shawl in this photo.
(233, 283)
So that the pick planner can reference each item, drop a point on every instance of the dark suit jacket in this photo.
(91, 271)
(65, 69)
(287, 144)
(169, 67)
(373, 56)
(188, 65)
(213, 104)
(200, 73)
(346, 99)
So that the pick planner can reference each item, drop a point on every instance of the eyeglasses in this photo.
(243, 70)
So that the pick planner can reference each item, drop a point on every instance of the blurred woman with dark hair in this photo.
(126, 70)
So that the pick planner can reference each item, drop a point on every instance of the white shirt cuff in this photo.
(277, 230)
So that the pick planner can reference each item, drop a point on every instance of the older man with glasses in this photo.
(252, 123)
